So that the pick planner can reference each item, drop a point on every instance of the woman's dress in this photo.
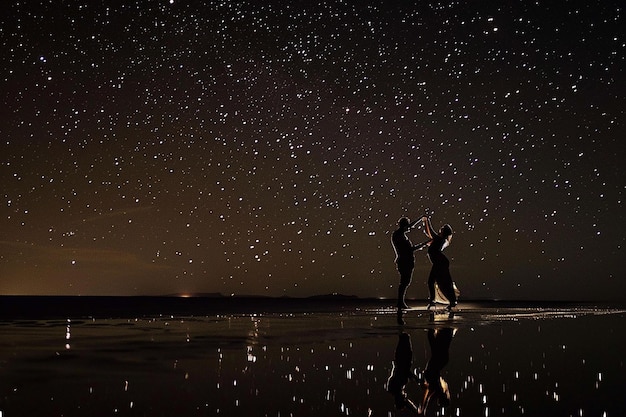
(442, 288)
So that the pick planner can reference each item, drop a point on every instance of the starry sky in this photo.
(269, 147)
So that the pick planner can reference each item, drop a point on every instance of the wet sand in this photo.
(504, 359)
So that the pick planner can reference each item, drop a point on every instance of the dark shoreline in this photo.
(56, 307)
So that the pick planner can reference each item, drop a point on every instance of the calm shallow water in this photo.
(513, 362)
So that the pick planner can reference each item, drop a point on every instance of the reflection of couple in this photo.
(441, 288)
(435, 387)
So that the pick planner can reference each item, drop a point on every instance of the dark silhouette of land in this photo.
(19, 307)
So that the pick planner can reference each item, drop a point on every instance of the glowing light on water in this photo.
(68, 334)
(251, 357)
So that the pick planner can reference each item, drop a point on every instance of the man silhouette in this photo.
(402, 373)
(405, 261)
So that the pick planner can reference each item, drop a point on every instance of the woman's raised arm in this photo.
(428, 227)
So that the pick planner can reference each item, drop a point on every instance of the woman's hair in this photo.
(446, 230)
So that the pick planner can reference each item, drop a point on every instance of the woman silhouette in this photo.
(439, 278)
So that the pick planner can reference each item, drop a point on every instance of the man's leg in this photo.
(405, 281)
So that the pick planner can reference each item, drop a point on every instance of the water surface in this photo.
(522, 361)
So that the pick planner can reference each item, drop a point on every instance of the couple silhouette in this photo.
(441, 288)
(434, 386)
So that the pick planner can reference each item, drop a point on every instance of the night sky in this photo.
(269, 147)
